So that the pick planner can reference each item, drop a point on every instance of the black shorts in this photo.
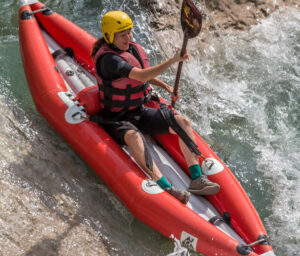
(149, 121)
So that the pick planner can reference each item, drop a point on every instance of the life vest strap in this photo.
(125, 104)
(118, 91)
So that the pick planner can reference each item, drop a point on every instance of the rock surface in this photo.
(228, 16)
(241, 14)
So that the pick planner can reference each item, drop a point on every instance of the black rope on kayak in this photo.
(44, 9)
(26, 15)
(263, 240)
(245, 249)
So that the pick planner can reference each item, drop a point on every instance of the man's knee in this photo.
(132, 137)
(183, 121)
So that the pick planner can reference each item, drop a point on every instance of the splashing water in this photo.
(249, 91)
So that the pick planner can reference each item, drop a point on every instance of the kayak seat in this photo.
(89, 99)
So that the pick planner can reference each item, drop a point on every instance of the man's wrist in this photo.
(169, 88)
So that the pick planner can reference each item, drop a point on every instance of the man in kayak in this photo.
(123, 74)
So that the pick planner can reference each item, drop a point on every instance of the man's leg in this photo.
(200, 185)
(190, 157)
(135, 141)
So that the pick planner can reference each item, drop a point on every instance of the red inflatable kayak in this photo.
(59, 72)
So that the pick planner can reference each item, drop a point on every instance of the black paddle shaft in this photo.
(191, 23)
(183, 49)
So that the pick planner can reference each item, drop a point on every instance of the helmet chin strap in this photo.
(114, 47)
(107, 39)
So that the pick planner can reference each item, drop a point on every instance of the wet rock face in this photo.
(241, 14)
(228, 16)
(163, 13)
(233, 15)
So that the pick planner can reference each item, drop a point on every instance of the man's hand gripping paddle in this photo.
(191, 23)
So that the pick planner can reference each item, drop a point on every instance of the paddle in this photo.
(191, 22)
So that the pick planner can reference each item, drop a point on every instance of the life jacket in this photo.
(123, 94)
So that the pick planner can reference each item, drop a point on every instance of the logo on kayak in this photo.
(211, 166)
(151, 187)
(188, 241)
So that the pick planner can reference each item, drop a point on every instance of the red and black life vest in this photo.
(124, 93)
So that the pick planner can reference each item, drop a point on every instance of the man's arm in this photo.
(147, 74)
(161, 84)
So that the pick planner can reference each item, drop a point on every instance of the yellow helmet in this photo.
(113, 22)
